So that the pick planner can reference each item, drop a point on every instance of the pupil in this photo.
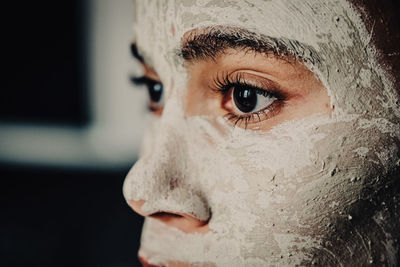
(155, 92)
(245, 99)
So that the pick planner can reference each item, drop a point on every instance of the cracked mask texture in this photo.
(308, 190)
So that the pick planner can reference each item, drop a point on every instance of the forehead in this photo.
(307, 21)
(333, 29)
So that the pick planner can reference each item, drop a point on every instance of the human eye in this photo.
(248, 99)
(155, 90)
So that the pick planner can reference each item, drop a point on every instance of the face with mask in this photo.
(273, 139)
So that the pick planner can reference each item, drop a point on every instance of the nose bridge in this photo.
(160, 180)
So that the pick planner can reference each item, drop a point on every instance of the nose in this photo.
(163, 185)
(154, 194)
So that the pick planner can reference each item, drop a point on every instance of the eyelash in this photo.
(224, 83)
(155, 105)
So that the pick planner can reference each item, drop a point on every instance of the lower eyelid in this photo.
(256, 117)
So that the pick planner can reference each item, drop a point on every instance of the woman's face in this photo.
(273, 139)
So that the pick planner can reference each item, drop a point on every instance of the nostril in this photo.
(186, 222)
(182, 221)
(162, 215)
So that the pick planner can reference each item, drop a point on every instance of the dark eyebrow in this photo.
(135, 53)
(210, 42)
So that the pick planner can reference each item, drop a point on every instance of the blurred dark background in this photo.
(56, 215)
(44, 59)
(64, 217)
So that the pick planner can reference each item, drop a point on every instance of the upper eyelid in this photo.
(258, 81)
(149, 70)
(143, 80)
(224, 80)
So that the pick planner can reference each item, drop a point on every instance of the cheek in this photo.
(297, 186)
(302, 173)
(251, 180)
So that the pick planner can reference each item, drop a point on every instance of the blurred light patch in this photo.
(111, 135)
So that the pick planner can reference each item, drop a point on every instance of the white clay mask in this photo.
(305, 190)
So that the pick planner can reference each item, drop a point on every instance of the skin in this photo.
(306, 95)
(300, 184)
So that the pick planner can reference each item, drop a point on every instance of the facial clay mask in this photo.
(318, 189)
